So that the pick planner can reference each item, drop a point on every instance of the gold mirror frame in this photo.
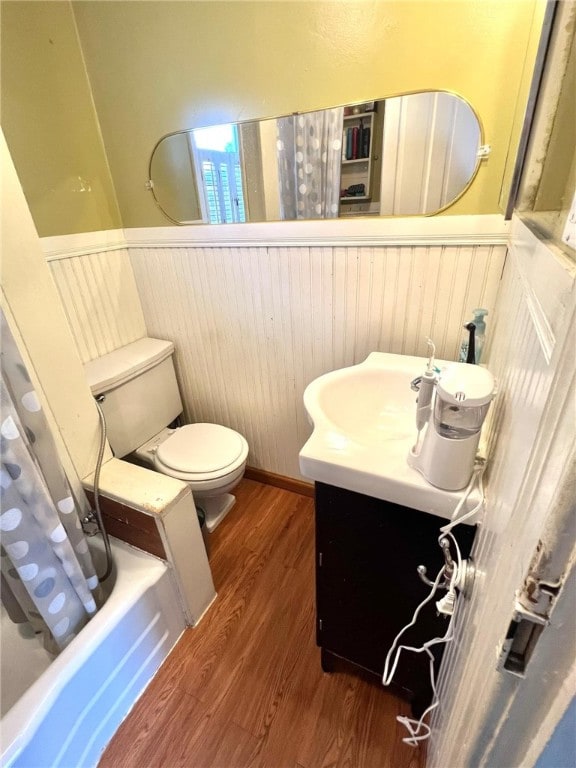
(479, 156)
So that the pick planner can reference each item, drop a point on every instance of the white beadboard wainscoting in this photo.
(258, 311)
(530, 441)
(99, 296)
(254, 325)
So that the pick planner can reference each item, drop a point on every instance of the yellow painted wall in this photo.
(158, 66)
(49, 120)
(36, 317)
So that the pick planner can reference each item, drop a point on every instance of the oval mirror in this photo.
(410, 154)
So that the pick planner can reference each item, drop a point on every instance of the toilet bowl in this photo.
(209, 457)
(139, 395)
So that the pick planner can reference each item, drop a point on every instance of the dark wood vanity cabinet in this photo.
(367, 587)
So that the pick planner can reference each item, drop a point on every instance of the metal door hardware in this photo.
(521, 638)
(464, 577)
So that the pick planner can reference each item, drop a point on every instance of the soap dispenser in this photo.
(480, 335)
(478, 326)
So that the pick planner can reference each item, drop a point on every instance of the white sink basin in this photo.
(364, 426)
(368, 403)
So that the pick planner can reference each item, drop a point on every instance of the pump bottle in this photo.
(479, 337)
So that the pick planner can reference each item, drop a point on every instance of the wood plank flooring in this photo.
(245, 689)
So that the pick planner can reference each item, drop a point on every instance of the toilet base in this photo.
(216, 508)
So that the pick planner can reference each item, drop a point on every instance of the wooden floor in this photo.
(245, 687)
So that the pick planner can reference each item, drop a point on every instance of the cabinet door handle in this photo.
(320, 559)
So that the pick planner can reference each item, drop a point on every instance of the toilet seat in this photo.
(200, 453)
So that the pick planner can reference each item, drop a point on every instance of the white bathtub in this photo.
(67, 717)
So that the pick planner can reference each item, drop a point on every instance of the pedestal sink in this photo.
(364, 427)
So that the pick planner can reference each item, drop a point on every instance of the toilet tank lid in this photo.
(117, 367)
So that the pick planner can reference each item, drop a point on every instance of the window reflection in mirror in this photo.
(405, 155)
(216, 152)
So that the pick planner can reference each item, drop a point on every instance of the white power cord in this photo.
(419, 730)
(477, 476)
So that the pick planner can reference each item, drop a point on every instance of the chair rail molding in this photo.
(407, 231)
(82, 244)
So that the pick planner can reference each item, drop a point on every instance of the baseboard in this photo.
(280, 481)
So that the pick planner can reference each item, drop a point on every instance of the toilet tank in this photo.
(140, 389)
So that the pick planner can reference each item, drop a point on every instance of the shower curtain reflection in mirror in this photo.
(309, 160)
(48, 578)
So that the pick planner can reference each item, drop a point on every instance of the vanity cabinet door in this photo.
(367, 586)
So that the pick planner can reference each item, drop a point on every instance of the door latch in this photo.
(521, 638)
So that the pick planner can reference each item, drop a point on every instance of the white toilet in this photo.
(141, 401)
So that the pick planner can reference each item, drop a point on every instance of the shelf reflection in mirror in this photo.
(405, 155)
